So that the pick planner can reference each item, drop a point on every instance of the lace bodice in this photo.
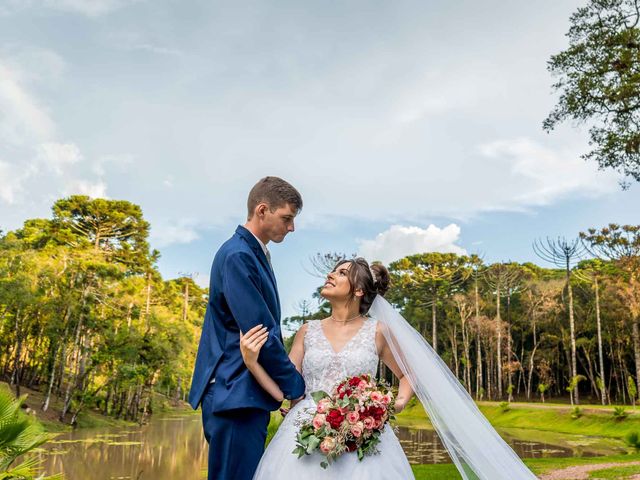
(323, 368)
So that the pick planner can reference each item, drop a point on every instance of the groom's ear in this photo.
(261, 209)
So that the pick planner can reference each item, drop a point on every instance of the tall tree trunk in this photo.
(636, 348)
(75, 357)
(147, 310)
(185, 303)
(479, 386)
(603, 384)
(434, 325)
(498, 343)
(509, 372)
(17, 373)
(572, 328)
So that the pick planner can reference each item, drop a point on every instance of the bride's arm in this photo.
(405, 392)
(297, 353)
(250, 345)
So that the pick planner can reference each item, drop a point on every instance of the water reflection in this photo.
(174, 448)
(167, 448)
(424, 446)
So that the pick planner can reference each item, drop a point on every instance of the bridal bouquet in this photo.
(351, 419)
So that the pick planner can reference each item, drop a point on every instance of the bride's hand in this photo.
(251, 343)
(399, 405)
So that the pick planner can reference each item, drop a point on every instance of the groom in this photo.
(242, 294)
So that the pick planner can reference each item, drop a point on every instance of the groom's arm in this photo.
(241, 288)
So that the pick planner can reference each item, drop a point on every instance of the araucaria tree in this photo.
(85, 315)
(564, 254)
(597, 77)
(621, 245)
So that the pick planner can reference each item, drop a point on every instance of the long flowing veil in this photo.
(473, 444)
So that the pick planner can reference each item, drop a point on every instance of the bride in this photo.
(363, 328)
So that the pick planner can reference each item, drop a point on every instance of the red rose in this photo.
(351, 446)
(377, 412)
(335, 418)
(353, 382)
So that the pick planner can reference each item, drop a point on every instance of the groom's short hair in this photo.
(275, 192)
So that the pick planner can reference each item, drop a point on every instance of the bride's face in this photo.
(337, 286)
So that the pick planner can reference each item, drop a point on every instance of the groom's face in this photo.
(277, 224)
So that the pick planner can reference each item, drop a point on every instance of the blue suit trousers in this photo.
(236, 439)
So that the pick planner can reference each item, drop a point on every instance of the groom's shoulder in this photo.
(234, 246)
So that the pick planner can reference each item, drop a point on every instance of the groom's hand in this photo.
(251, 343)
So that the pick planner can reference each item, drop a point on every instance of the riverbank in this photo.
(543, 422)
(594, 420)
(88, 418)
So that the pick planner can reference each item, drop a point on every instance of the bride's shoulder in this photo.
(305, 326)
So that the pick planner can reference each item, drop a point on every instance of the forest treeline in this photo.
(510, 330)
(86, 317)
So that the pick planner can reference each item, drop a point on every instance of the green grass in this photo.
(448, 471)
(616, 472)
(554, 418)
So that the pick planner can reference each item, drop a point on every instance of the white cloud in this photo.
(8, 184)
(164, 232)
(132, 41)
(120, 161)
(544, 175)
(31, 64)
(90, 8)
(399, 241)
(22, 119)
(57, 156)
(96, 189)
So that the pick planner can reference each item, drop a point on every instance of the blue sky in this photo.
(407, 126)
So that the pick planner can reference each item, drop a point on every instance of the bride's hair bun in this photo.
(381, 277)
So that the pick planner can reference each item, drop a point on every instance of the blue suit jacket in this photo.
(242, 294)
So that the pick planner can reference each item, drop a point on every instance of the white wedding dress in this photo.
(323, 369)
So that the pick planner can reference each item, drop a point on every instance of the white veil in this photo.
(473, 444)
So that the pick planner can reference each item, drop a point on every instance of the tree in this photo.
(427, 278)
(115, 227)
(621, 246)
(592, 271)
(502, 278)
(564, 253)
(598, 82)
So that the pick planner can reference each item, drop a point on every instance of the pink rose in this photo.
(356, 430)
(376, 396)
(323, 405)
(363, 385)
(319, 420)
(327, 445)
(378, 424)
(386, 399)
(352, 417)
(369, 423)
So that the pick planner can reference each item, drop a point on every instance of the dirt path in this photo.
(581, 472)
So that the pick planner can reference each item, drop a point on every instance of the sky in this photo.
(407, 126)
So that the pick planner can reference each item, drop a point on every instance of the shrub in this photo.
(18, 436)
(620, 413)
(576, 413)
(504, 407)
(632, 439)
